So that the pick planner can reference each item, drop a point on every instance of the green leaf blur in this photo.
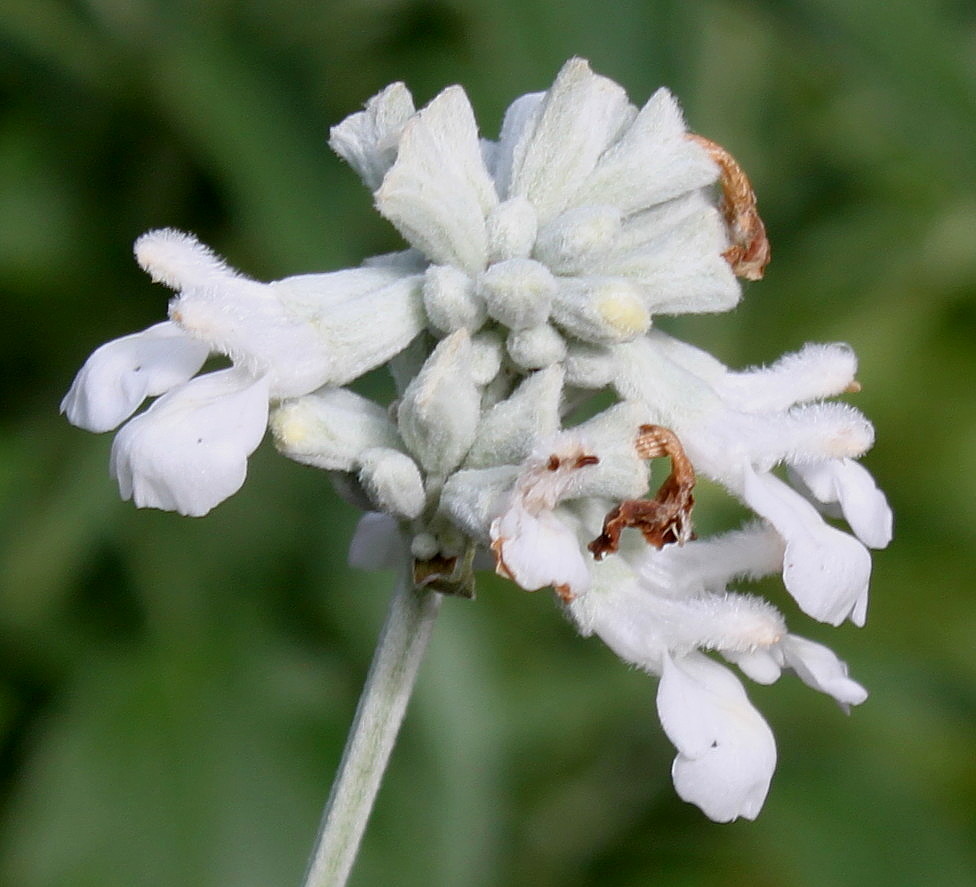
(174, 693)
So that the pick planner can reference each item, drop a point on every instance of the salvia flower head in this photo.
(534, 267)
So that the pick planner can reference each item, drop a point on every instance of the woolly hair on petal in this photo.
(726, 751)
(122, 373)
(580, 116)
(642, 622)
(651, 163)
(188, 452)
(438, 191)
(367, 140)
(813, 372)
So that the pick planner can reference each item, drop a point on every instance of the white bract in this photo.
(535, 268)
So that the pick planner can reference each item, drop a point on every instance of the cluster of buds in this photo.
(535, 266)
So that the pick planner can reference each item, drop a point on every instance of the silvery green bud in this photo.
(450, 300)
(518, 292)
(508, 430)
(603, 310)
(392, 480)
(536, 347)
(330, 428)
(441, 407)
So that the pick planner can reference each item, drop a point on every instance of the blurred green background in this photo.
(175, 692)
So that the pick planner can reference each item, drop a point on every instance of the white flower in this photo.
(658, 609)
(535, 267)
(188, 452)
(736, 427)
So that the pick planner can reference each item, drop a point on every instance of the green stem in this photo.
(382, 704)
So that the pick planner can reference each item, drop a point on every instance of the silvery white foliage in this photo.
(535, 267)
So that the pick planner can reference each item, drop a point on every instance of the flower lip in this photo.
(119, 375)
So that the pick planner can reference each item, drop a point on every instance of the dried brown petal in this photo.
(749, 253)
(667, 517)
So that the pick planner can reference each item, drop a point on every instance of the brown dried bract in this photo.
(749, 253)
(448, 575)
(667, 517)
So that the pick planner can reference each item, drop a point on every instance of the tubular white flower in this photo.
(302, 332)
(188, 451)
(826, 570)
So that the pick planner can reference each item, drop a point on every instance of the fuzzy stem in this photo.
(397, 658)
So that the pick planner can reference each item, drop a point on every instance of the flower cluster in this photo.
(535, 266)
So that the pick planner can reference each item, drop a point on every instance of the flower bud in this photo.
(329, 429)
(392, 480)
(440, 409)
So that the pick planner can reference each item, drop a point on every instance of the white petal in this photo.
(188, 452)
(121, 374)
(653, 161)
(810, 432)
(818, 667)
(301, 332)
(579, 117)
(760, 665)
(710, 564)
(825, 570)
(813, 372)
(726, 751)
(438, 192)
(367, 141)
(178, 259)
(845, 482)
(536, 550)
(377, 543)
(362, 317)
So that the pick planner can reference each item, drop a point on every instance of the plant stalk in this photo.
(399, 652)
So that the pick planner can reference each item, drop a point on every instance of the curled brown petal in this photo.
(749, 253)
(667, 517)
